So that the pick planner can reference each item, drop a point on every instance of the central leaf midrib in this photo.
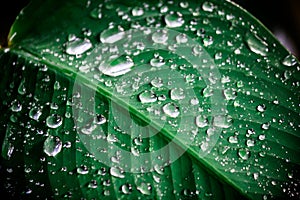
(58, 68)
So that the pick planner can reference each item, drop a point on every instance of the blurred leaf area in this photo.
(282, 17)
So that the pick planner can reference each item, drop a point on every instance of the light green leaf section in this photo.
(153, 100)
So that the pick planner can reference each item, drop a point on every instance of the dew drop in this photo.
(52, 145)
(250, 143)
(256, 44)
(126, 188)
(171, 109)
(157, 61)
(83, 169)
(78, 46)
(160, 36)
(174, 20)
(201, 121)
(112, 34)
(181, 38)
(233, 139)
(289, 60)
(244, 153)
(229, 94)
(261, 108)
(54, 121)
(22, 88)
(93, 184)
(118, 67)
(147, 97)
(96, 13)
(207, 92)
(177, 94)
(100, 119)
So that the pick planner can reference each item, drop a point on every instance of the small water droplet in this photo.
(93, 184)
(145, 188)
(244, 153)
(289, 60)
(112, 34)
(207, 92)
(126, 188)
(54, 121)
(96, 13)
(157, 61)
(177, 94)
(201, 121)
(171, 109)
(78, 46)
(100, 119)
(181, 38)
(160, 36)
(52, 145)
(118, 67)
(229, 94)
(174, 20)
(265, 126)
(262, 137)
(250, 143)
(233, 139)
(255, 176)
(207, 41)
(22, 88)
(256, 44)
(147, 97)
(117, 172)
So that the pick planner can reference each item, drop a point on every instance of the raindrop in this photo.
(201, 121)
(88, 129)
(117, 172)
(171, 109)
(54, 121)
(96, 13)
(118, 67)
(137, 11)
(145, 188)
(207, 92)
(93, 184)
(174, 20)
(35, 113)
(255, 176)
(204, 146)
(160, 36)
(112, 34)
(250, 143)
(147, 97)
(289, 60)
(126, 188)
(22, 88)
(177, 94)
(52, 145)
(256, 44)
(262, 137)
(265, 126)
(207, 41)
(78, 46)
(244, 153)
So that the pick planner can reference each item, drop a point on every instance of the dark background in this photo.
(282, 17)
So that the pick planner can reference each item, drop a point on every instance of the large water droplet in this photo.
(222, 121)
(177, 94)
(112, 34)
(208, 6)
(145, 188)
(117, 172)
(16, 106)
(244, 153)
(54, 121)
(171, 109)
(147, 97)
(174, 20)
(52, 145)
(137, 11)
(35, 113)
(201, 121)
(78, 46)
(289, 60)
(118, 67)
(160, 36)
(256, 44)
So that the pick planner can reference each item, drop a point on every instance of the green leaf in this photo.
(156, 100)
